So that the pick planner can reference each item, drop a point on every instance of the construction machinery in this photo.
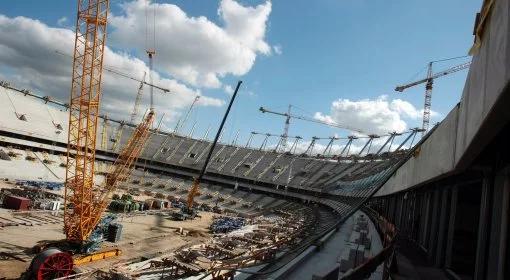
(85, 201)
(188, 212)
(81, 213)
(429, 80)
(289, 116)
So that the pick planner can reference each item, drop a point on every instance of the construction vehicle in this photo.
(189, 211)
(429, 80)
(85, 201)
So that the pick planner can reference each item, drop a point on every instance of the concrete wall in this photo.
(488, 76)
(471, 125)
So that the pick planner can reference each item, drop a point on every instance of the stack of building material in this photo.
(357, 251)
(121, 205)
(52, 205)
(41, 184)
(227, 224)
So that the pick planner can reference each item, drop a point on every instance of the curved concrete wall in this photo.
(472, 124)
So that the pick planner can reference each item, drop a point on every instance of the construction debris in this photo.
(55, 186)
(227, 224)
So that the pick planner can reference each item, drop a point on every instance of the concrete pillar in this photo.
(404, 215)
(497, 250)
(415, 218)
(442, 228)
(425, 220)
(451, 227)
(398, 208)
(400, 212)
(434, 222)
(483, 226)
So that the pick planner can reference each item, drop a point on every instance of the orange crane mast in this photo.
(85, 202)
(80, 211)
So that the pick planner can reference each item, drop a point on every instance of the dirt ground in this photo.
(142, 236)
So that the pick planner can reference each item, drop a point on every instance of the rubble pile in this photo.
(248, 242)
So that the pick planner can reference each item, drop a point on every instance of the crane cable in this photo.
(151, 50)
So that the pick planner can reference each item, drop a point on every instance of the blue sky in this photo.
(330, 49)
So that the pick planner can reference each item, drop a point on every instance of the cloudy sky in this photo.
(334, 60)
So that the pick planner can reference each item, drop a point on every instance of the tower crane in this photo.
(429, 80)
(122, 74)
(289, 116)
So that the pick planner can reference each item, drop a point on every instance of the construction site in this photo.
(88, 196)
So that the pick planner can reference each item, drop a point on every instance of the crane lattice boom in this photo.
(124, 164)
(429, 81)
(80, 202)
(435, 76)
(289, 116)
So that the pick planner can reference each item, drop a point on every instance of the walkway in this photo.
(329, 255)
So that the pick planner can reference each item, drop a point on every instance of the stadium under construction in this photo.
(86, 196)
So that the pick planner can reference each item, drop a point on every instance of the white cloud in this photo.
(62, 21)
(28, 58)
(277, 49)
(195, 49)
(246, 24)
(228, 89)
(407, 109)
(377, 116)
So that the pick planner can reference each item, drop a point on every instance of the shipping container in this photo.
(16, 202)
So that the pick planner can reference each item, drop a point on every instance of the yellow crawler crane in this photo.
(80, 200)
(85, 202)
(54, 262)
